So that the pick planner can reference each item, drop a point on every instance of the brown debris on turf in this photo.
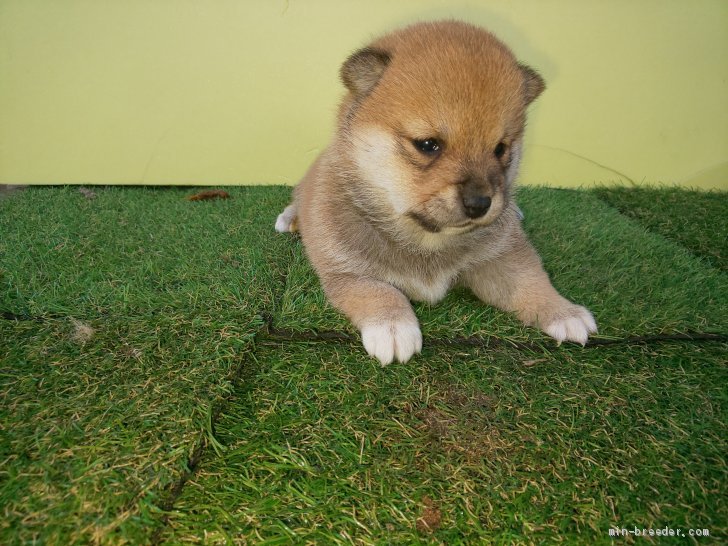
(209, 194)
(431, 517)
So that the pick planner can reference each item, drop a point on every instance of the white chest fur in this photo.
(429, 290)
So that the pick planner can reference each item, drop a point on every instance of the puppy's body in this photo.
(414, 193)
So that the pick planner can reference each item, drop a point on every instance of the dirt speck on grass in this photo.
(530, 363)
(87, 193)
(470, 402)
(82, 332)
(462, 422)
(431, 517)
(436, 422)
(129, 352)
(9, 189)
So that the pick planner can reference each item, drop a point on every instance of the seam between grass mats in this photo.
(241, 380)
(271, 333)
(715, 261)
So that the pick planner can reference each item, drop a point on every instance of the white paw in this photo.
(388, 340)
(573, 325)
(286, 220)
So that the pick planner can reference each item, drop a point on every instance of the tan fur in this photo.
(383, 221)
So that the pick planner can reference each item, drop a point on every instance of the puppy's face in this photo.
(435, 120)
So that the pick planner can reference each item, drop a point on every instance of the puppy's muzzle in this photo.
(476, 206)
(475, 198)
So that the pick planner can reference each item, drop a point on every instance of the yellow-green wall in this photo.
(244, 92)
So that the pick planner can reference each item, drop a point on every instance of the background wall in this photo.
(245, 92)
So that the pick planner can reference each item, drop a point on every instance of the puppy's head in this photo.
(433, 124)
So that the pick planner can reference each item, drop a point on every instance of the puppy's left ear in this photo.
(533, 83)
(362, 70)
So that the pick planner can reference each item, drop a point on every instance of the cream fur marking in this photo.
(376, 159)
(512, 172)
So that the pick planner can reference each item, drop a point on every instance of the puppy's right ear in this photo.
(532, 82)
(361, 72)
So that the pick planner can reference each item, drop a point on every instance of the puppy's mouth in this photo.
(425, 222)
(431, 225)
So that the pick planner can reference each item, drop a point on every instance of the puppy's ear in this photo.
(532, 83)
(361, 72)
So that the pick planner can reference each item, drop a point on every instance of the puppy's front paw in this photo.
(570, 323)
(286, 220)
(386, 340)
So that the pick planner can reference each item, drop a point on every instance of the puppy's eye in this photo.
(428, 146)
(500, 149)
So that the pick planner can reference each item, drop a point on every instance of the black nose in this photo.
(476, 206)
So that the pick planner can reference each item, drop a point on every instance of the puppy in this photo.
(414, 194)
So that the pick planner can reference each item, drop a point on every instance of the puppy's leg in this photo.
(287, 219)
(388, 325)
(517, 282)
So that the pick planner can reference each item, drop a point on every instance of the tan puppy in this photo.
(414, 193)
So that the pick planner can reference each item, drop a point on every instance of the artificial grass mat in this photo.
(157, 385)
(471, 447)
(95, 425)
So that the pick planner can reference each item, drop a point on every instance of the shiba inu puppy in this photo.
(413, 195)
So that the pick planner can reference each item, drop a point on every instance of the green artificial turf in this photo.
(489, 446)
(170, 372)
(95, 426)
